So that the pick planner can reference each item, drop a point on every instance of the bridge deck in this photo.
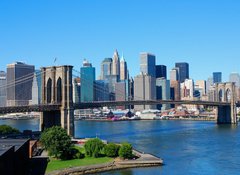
(86, 105)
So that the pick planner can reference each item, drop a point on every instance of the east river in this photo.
(187, 147)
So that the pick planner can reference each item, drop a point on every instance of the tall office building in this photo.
(235, 77)
(121, 92)
(174, 74)
(217, 77)
(183, 71)
(148, 64)
(163, 92)
(115, 64)
(101, 90)
(3, 91)
(36, 87)
(87, 73)
(19, 81)
(106, 68)
(161, 71)
(176, 95)
(187, 89)
(209, 83)
(123, 69)
(76, 90)
(144, 89)
(200, 85)
(35, 91)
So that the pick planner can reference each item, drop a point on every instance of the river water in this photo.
(187, 147)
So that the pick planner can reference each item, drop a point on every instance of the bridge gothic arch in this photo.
(228, 95)
(49, 90)
(57, 89)
(226, 92)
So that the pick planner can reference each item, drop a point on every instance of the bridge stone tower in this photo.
(226, 92)
(57, 89)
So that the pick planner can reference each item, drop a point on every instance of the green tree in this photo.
(125, 151)
(57, 142)
(5, 130)
(94, 147)
(111, 150)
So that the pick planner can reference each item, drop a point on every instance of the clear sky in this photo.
(204, 33)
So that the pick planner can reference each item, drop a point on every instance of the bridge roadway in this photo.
(30, 108)
(85, 105)
(97, 104)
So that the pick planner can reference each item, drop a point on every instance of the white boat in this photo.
(149, 114)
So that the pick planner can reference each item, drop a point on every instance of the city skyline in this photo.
(199, 33)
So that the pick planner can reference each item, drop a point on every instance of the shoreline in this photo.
(144, 160)
(171, 119)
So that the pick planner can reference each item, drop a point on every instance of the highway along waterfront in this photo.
(187, 147)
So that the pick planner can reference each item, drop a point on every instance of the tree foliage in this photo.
(94, 147)
(125, 151)
(111, 150)
(57, 142)
(5, 130)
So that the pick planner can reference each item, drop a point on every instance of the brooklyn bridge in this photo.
(57, 107)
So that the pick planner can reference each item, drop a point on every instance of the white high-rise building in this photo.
(3, 87)
(235, 77)
(201, 86)
(115, 64)
(187, 89)
(35, 95)
(123, 69)
(174, 74)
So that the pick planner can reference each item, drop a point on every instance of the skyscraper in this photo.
(174, 74)
(123, 69)
(116, 64)
(35, 90)
(19, 82)
(3, 91)
(235, 77)
(106, 68)
(161, 71)
(200, 85)
(175, 85)
(76, 90)
(148, 64)
(163, 92)
(121, 92)
(144, 89)
(101, 90)
(187, 89)
(183, 71)
(87, 82)
(217, 77)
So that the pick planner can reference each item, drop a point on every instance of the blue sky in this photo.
(204, 33)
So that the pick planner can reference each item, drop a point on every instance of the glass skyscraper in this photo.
(217, 77)
(163, 92)
(235, 77)
(148, 64)
(161, 71)
(106, 68)
(183, 71)
(87, 73)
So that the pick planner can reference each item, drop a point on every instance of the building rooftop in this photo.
(6, 144)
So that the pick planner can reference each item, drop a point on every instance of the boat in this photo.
(149, 114)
